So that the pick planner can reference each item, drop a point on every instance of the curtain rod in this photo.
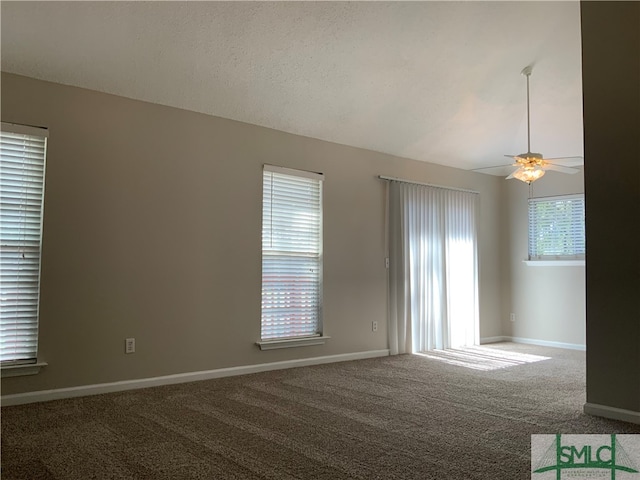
(394, 179)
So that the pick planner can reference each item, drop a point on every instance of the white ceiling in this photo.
(432, 81)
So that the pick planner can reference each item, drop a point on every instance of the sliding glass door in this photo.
(433, 268)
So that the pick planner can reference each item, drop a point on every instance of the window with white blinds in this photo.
(291, 253)
(22, 167)
(556, 228)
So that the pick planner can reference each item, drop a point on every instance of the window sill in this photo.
(554, 263)
(22, 370)
(291, 342)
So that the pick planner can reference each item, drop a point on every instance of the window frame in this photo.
(29, 364)
(578, 236)
(317, 338)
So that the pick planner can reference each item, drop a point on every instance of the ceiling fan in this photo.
(530, 165)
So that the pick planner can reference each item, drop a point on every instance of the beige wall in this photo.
(152, 230)
(549, 302)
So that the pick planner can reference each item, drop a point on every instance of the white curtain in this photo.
(433, 268)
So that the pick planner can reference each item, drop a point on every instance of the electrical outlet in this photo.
(512, 317)
(130, 345)
(374, 326)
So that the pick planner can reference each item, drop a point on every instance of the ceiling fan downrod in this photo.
(526, 71)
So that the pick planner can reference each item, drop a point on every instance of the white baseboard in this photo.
(532, 341)
(84, 390)
(486, 340)
(612, 413)
(547, 343)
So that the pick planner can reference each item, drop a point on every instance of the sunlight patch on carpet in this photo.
(481, 358)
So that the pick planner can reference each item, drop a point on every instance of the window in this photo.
(291, 254)
(22, 167)
(556, 228)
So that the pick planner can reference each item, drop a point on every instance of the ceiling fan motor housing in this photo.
(528, 159)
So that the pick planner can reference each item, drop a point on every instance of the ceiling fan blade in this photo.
(488, 168)
(498, 170)
(512, 174)
(566, 161)
(558, 168)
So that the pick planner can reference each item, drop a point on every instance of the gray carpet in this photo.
(447, 415)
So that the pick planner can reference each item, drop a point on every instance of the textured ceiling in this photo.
(432, 81)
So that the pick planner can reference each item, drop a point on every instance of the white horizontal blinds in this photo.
(556, 228)
(22, 167)
(291, 253)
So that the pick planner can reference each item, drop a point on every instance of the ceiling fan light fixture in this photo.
(529, 174)
(530, 166)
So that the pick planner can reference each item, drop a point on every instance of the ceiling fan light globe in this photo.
(528, 175)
